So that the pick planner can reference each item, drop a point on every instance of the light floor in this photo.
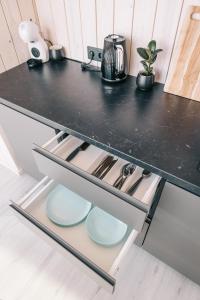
(31, 270)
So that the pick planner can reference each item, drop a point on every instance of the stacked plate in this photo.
(103, 228)
(66, 208)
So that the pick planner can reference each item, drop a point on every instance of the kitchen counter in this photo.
(154, 129)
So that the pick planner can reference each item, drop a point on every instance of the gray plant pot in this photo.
(145, 82)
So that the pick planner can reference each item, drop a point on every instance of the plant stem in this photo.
(149, 68)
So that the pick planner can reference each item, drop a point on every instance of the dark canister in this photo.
(145, 82)
(56, 52)
(114, 58)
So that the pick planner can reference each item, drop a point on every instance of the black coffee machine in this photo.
(114, 58)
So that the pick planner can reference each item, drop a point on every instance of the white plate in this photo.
(103, 228)
(65, 208)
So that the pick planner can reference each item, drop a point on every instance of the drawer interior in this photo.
(105, 259)
(89, 159)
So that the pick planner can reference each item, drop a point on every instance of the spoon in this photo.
(133, 188)
(126, 171)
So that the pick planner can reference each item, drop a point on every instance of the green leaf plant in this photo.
(149, 56)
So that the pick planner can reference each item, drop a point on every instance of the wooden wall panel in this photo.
(72, 8)
(123, 19)
(165, 28)
(46, 21)
(105, 17)
(12, 49)
(143, 23)
(78, 23)
(13, 18)
(88, 25)
(58, 9)
(7, 50)
(27, 10)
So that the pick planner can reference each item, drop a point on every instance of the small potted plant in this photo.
(146, 77)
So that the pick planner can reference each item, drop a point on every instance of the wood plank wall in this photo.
(78, 23)
(12, 50)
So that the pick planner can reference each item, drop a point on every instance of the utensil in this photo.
(65, 208)
(133, 188)
(114, 58)
(108, 168)
(104, 229)
(184, 73)
(82, 147)
(126, 171)
(103, 164)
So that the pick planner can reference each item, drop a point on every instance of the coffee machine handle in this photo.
(119, 58)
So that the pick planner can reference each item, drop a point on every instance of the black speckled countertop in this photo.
(156, 130)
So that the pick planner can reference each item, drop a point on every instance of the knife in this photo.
(82, 147)
(103, 164)
(108, 168)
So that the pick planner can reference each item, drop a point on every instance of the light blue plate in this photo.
(103, 228)
(66, 208)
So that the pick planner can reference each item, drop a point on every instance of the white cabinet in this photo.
(21, 131)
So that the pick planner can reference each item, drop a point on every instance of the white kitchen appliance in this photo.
(29, 33)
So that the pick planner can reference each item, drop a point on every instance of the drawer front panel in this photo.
(106, 200)
(71, 254)
(100, 263)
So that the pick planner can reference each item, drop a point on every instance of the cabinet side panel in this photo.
(21, 132)
(174, 235)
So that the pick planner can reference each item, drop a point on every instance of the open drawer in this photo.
(100, 263)
(77, 176)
